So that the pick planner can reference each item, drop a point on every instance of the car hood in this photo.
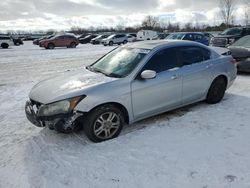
(240, 52)
(70, 84)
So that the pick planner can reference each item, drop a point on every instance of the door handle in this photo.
(174, 77)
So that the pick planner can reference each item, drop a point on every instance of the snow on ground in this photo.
(199, 146)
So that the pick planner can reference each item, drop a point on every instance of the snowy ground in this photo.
(199, 146)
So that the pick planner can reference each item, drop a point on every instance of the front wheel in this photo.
(5, 45)
(50, 46)
(216, 91)
(125, 42)
(104, 123)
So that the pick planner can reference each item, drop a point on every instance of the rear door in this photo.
(59, 41)
(196, 72)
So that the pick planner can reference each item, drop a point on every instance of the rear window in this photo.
(192, 55)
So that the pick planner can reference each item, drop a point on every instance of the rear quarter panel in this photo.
(223, 66)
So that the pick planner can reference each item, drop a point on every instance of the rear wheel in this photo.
(125, 42)
(216, 91)
(4, 45)
(50, 46)
(104, 123)
(72, 45)
(111, 43)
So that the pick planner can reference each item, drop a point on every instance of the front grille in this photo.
(219, 42)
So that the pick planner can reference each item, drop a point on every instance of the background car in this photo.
(115, 39)
(241, 52)
(67, 40)
(87, 39)
(229, 36)
(146, 35)
(191, 36)
(98, 39)
(6, 41)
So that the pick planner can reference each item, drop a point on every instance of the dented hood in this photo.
(67, 85)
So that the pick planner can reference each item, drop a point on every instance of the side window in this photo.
(192, 55)
(197, 37)
(188, 37)
(163, 60)
(60, 37)
(5, 38)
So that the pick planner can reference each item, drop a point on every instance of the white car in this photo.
(6, 41)
(115, 39)
(131, 38)
(146, 35)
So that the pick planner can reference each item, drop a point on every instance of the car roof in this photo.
(151, 44)
(188, 33)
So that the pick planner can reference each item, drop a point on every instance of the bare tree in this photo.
(247, 12)
(227, 8)
(150, 22)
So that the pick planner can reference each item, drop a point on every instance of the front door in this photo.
(152, 96)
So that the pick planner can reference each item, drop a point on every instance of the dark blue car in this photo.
(192, 36)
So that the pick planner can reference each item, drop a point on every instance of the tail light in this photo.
(233, 61)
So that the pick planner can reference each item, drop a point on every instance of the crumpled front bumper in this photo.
(32, 115)
(62, 123)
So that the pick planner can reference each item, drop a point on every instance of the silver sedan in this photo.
(131, 83)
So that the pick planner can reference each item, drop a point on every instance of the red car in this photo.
(69, 41)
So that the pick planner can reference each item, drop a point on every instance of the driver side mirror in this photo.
(148, 74)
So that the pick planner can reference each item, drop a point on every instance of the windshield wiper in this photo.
(102, 72)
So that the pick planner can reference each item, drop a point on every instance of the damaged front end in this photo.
(59, 116)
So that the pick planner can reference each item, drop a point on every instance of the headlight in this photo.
(61, 107)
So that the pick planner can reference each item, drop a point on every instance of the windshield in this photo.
(244, 41)
(120, 62)
(232, 31)
(175, 36)
(99, 36)
(111, 36)
(87, 36)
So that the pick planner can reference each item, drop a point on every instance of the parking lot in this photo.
(199, 146)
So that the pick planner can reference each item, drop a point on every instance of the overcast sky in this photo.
(63, 14)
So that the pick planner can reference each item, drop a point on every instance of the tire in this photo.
(216, 91)
(99, 128)
(50, 46)
(72, 45)
(125, 42)
(111, 43)
(5, 45)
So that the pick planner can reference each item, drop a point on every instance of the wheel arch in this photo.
(118, 105)
(222, 76)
